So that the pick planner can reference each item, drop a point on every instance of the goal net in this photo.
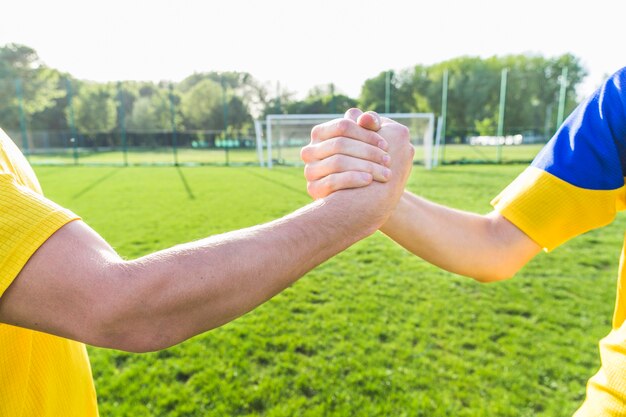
(280, 137)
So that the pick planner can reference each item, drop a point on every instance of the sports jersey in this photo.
(40, 375)
(575, 184)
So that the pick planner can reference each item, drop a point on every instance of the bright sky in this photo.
(307, 43)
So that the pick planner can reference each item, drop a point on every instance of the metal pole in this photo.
(70, 104)
(268, 128)
(122, 121)
(444, 113)
(388, 91)
(173, 119)
(562, 97)
(225, 109)
(20, 98)
(500, 133)
(278, 103)
(258, 128)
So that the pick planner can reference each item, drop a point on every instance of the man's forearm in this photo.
(487, 248)
(179, 292)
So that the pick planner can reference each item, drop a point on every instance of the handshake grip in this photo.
(362, 157)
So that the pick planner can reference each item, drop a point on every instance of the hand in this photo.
(350, 143)
(345, 155)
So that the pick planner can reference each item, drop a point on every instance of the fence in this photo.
(514, 104)
(137, 148)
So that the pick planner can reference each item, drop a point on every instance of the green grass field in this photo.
(247, 156)
(372, 332)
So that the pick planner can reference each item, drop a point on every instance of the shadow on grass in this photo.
(278, 183)
(96, 183)
(185, 184)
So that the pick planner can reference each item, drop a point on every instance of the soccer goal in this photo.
(280, 137)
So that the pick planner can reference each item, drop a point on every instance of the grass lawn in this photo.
(372, 332)
(452, 154)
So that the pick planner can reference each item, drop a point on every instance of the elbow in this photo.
(121, 317)
(130, 334)
(495, 273)
(131, 339)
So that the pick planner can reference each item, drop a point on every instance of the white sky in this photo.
(307, 43)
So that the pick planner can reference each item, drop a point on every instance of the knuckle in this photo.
(315, 132)
(344, 125)
(410, 151)
(330, 184)
(312, 189)
(305, 153)
(338, 145)
(404, 132)
(337, 162)
(309, 171)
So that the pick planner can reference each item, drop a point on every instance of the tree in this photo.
(150, 109)
(474, 92)
(201, 105)
(239, 92)
(94, 109)
(320, 100)
(23, 75)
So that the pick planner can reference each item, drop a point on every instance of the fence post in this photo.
(173, 119)
(444, 112)
(20, 98)
(74, 138)
(562, 97)
(500, 133)
(225, 111)
(122, 121)
(388, 91)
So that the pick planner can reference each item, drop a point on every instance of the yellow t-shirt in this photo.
(40, 375)
(550, 211)
(575, 184)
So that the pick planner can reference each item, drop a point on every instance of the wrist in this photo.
(358, 210)
(397, 216)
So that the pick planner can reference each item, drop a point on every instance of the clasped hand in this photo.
(355, 151)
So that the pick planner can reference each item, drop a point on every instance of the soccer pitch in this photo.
(372, 332)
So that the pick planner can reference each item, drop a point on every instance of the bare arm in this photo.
(76, 286)
(484, 247)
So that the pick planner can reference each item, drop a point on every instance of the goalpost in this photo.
(281, 136)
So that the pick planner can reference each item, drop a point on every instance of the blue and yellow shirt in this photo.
(575, 184)
(40, 375)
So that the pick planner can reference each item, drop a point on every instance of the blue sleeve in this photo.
(576, 182)
(589, 150)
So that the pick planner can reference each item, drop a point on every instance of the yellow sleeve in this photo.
(27, 220)
(551, 211)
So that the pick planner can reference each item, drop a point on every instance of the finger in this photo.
(353, 114)
(369, 120)
(340, 181)
(385, 121)
(346, 128)
(344, 146)
(342, 163)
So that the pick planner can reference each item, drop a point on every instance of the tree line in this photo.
(38, 97)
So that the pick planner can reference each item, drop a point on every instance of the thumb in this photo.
(352, 114)
(370, 120)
